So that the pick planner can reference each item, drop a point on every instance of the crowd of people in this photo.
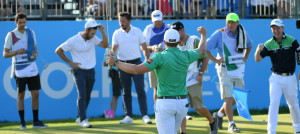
(176, 63)
(209, 9)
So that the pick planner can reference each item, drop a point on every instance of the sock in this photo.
(230, 123)
(220, 114)
(35, 115)
(21, 114)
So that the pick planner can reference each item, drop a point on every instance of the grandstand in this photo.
(141, 9)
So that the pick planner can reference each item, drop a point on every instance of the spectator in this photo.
(284, 8)
(263, 8)
(97, 7)
(164, 6)
(211, 10)
(5, 10)
(129, 39)
(116, 85)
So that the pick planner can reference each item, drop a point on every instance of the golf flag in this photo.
(240, 96)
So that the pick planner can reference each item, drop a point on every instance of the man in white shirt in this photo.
(20, 44)
(128, 39)
(82, 48)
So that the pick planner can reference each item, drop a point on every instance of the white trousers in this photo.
(288, 86)
(169, 114)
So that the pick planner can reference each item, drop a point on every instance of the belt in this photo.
(131, 61)
(173, 97)
(222, 64)
(283, 74)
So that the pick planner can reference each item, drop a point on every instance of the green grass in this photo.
(198, 125)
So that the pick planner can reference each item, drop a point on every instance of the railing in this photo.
(141, 9)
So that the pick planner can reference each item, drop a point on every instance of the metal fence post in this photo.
(44, 14)
(242, 8)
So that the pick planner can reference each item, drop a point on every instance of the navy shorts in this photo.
(33, 83)
(116, 83)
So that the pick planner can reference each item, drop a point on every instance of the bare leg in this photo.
(228, 107)
(183, 126)
(20, 101)
(204, 112)
(35, 99)
(222, 108)
(113, 103)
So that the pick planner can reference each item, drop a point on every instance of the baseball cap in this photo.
(171, 36)
(91, 24)
(177, 25)
(156, 15)
(232, 17)
(277, 22)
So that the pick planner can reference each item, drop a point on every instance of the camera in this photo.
(298, 24)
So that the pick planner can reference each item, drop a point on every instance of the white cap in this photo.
(171, 36)
(156, 15)
(91, 24)
(277, 22)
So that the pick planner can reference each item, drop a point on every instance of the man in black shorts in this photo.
(20, 44)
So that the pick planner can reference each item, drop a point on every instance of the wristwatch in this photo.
(201, 73)
(116, 62)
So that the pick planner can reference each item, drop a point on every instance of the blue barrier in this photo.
(58, 95)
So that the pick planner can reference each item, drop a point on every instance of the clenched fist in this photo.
(202, 30)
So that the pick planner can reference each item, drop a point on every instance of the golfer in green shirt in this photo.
(171, 68)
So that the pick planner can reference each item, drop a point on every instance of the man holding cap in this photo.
(82, 48)
(234, 46)
(281, 48)
(171, 68)
(154, 35)
(194, 78)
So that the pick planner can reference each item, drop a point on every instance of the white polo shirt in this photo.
(82, 51)
(129, 43)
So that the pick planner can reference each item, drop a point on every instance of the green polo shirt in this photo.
(171, 68)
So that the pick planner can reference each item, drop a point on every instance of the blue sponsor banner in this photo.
(58, 96)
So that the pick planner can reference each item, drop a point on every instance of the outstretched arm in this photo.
(127, 67)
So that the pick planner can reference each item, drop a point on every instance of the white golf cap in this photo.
(156, 15)
(277, 22)
(91, 24)
(171, 36)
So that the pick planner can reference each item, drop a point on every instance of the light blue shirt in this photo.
(215, 41)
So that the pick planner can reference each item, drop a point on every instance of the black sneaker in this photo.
(220, 120)
(214, 126)
(233, 129)
(39, 124)
(23, 125)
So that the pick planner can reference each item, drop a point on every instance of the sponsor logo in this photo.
(149, 61)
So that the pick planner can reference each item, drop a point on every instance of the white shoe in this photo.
(147, 120)
(77, 120)
(126, 120)
(85, 124)
(188, 117)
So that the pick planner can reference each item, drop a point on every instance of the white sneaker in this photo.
(85, 124)
(188, 117)
(147, 120)
(126, 120)
(77, 120)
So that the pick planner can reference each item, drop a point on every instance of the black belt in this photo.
(173, 97)
(222, 64)
(131, 61)
(283, 74)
